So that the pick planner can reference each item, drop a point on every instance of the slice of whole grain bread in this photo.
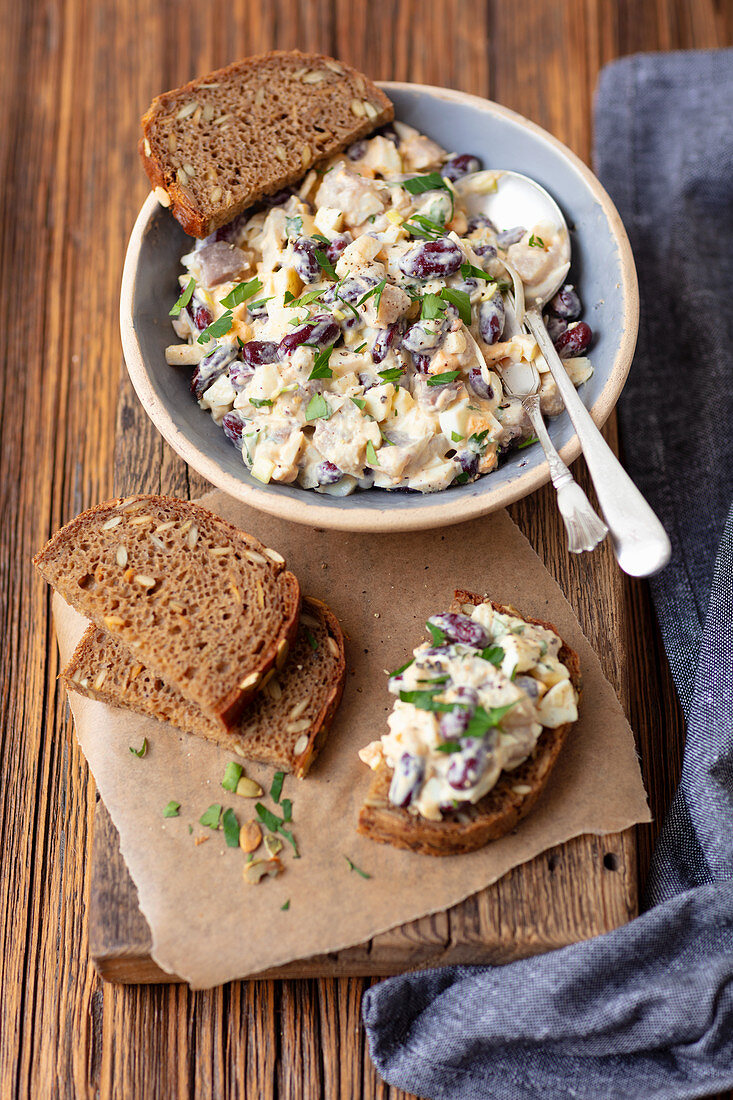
(207, 608)
(497, 813)
(219, 144)
(285, 725)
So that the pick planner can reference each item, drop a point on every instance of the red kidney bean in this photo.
(480, 221)
(459, 166)
(304, 259)
(337, 246)
(466, 767)
(233, 425)
(357, 150)
(478, 385)
(491, 317)
(387, 338)
(510, 236)
(461, 628)
(209, 369)
(257, 352)
(321, 330)
(566, 303)
(574, 341)
(432, 259)
(555, 327)
(407, 779)
(419, 339)
(328, 473)
(202, 318)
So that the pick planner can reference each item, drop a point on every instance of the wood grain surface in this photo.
(74, 77)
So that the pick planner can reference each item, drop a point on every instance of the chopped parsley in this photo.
(478, 441)
(217, 328)
(448, 746)
(277, 786)
(376, 291)
(318, 408)
(184, 299)
(419, 225)
(256, 305)
(353, 867)
(470, 271)
(482, 720)
(286, 905)
(444, 378)
(232, 775)
(390, 375)
(321, 369)
(536, 242)
(173, 809)
(371, 454)
(494, 654)
(402, 668)
(456, 437)
(211, 817)
(359, 349)
(260, 402)
(230, 826)
(325, 264)
(432, 181)
(294, 226)
(320, 238)
(287, 806)
(460, 300)
(527, 442)
(142, 751)
(432, 306)
(275, 825)
(436, 633)
(304, 300)
(359, 402)
(462, 478)
(312, 642)
(241, 293)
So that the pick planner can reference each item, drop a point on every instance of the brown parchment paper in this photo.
(208, 926)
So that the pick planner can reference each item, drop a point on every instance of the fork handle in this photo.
(640, 542)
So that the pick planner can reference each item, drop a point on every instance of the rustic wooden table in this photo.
(74, 78)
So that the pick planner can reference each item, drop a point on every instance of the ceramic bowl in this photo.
(602, 269)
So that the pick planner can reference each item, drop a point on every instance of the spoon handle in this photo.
(585, 530)
(640, 542)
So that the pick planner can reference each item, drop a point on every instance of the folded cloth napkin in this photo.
(645, 1011)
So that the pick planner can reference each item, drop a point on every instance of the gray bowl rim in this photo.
(415, 513)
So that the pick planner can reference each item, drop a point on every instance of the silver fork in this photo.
(584, 527)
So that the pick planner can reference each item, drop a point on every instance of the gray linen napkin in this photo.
(645, 1011)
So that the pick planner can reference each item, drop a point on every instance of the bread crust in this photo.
(162, 173)
(97, 651)
(499, 811)
(228, 708)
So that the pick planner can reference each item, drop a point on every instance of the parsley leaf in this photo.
(527, 442)
(304, 300)
(318, 408)
(377, 292)
(232, 775)
(536, 242)
(142, 751)
(173, 809)
(432, 181)
(325, 264)
(359, 402)
(259, 402)
(456, 437)
(448, 746)
(231, 829)
(184, 299)
(294, 226)
(436, 633)
(256, 305)
(470, 271)
(219, 327)
(287, 806)
(371, 454)
(390, 375)
(462, 478)
(286, 905)
(321, 369)
(482, 720)
(353, 867)
(241, 293)
(419, 225)
(494, 654)
(277, 786)
(311, 639)
(444, 378)
(460, 300)
(211, 816)
(432, 306)
(359, 349)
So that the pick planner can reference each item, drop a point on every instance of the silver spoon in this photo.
(640, 542)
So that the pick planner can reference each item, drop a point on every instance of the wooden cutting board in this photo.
(580, 889)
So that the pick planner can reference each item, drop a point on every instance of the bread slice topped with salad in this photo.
(205, 607)
(285, 725)
(217, 145)
(482, 712)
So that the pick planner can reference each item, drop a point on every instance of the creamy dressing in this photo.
(359, 326)
(470, 706)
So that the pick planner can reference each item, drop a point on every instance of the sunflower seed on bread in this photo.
(217, 145)
(174, 608)
(311, 682)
